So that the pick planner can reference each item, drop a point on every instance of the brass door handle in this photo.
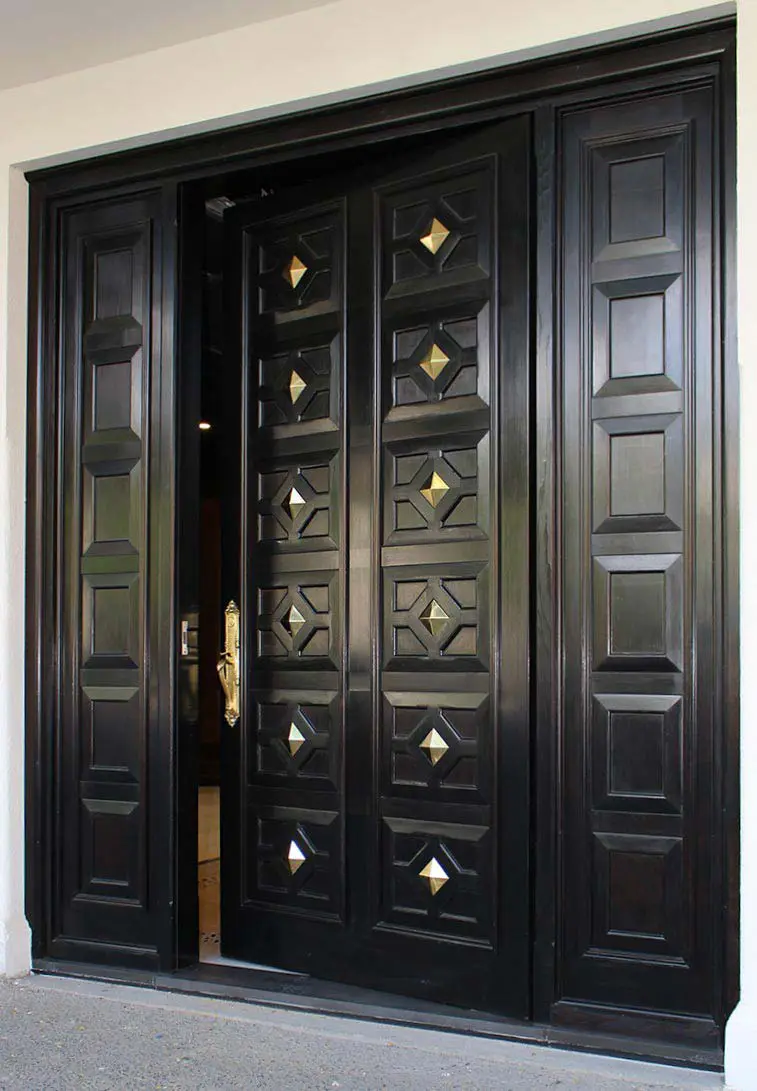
(228, 664)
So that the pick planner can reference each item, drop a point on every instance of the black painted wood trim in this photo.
(375, 116)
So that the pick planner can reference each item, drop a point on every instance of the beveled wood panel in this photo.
(638, 563)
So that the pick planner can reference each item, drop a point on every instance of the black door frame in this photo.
(185, 170)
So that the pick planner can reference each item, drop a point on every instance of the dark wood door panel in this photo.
(639, 893)
(106, 852)
(364, 836)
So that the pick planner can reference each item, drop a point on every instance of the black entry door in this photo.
(375, 787)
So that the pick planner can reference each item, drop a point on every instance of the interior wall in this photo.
(332, 51)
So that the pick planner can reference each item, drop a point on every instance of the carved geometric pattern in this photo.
(434, 617)
(436, 880)
(295, 386)
(435, 748)
(432, 492)
(295, 621)
(298, 270)
(295, 739)
(295, 505)
(435, 231)
(435, 875)
(296, 859)
(436, 236)
(436, 361)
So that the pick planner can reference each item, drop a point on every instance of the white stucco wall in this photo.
(276, 66)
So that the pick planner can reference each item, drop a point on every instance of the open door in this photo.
(375, 759)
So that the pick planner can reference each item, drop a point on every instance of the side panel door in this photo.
(111, 889)
(641, 576)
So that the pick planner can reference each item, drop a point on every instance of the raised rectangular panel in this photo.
(295, 860)
(637, 753)
(437, 878)
(111, 620)
(112, 395)
(636, 188)
(112, 849)
(638, 612)
(638, 474)
(637, 199)
(114, 278)
(116, 733)
(438, 746)
(637, 335)
(637, 888)
(112, 502)
(298, 736)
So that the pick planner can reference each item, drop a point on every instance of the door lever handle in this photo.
(228, 664)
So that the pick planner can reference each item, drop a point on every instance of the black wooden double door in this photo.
(375, 789)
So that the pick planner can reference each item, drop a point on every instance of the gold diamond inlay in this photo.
(296, 386)
(434, 618)
(294, 503)
(295, 738)
(435, 746)
(436, 236)
(296, 269)
(296, 857)
(434, 874)
(295, 620)
(434, 362)
(435, 489)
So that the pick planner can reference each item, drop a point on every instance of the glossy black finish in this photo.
(364, 680)
(575, 524)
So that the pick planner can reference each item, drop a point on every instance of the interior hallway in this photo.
(58, 1034)
(209, 872)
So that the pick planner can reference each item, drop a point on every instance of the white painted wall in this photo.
(334, 50)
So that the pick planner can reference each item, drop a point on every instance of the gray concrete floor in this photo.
(57, 1033)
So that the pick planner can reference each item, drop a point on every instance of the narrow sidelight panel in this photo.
(640, 893)
(106, 904)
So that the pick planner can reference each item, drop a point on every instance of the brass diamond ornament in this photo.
(294, 503)
(435, 746)
(434, 874)
(295, 857)
(296, 386)
(434, 618)
(295, 620)
(436, 236)
(295, 271)
(435, 489)
(296, 739)
(434, 362)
